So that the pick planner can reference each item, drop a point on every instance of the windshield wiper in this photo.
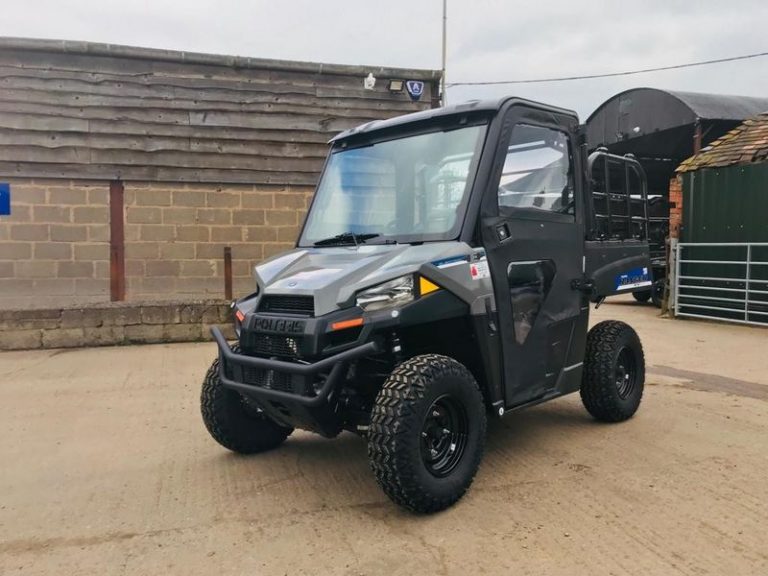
(345, 238)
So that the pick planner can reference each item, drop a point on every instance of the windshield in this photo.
(409, 189)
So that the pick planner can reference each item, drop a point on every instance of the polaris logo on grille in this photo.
(278, 325)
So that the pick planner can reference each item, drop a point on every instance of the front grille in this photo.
(270, 345)
(275, 304)
(268, 379)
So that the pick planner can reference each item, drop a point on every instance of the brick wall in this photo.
(54, 248)
(675, 206)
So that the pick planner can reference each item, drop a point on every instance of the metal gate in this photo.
(722, 281)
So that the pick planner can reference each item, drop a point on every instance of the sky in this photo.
(487, 39)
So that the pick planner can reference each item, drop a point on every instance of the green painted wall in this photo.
(727, 205)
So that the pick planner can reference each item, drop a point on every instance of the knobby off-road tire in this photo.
(427, 433)
(657, 293)
(642, 295)
(233, 421)
(614, 372)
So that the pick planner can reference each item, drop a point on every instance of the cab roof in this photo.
(471, 106)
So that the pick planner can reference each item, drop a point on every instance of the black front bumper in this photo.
(311, 410)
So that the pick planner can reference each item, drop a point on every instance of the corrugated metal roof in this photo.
(652, 123)
(679, 108)
(745, 144)
(721, 106)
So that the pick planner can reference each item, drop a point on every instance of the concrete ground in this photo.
(106, 469)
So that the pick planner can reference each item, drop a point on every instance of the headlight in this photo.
(388, 295)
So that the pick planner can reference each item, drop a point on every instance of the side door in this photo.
(533, 232)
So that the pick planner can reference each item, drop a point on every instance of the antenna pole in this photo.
(443, 95)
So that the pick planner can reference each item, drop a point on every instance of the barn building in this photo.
(664, 127)
(132, 169)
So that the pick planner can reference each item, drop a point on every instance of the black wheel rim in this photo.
(444, 436)
(626, 373)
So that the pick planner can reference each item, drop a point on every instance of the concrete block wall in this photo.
(175, 236)
(114, 323)
(55, 246)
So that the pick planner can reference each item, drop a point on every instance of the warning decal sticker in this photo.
(479, 269)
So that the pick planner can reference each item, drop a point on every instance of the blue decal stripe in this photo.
(453, 260)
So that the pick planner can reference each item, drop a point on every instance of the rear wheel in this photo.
(236, 422)
(427, 433)
(657, 292)
(642, 295)
(614, 372)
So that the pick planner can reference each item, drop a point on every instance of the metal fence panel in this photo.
(722, 281)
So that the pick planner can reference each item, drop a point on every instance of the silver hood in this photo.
(334, 274)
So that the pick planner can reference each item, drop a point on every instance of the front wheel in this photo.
(614, 372)
(427, 433)
(236, 422)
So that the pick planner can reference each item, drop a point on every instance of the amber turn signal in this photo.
(341, 325)
(427, 286)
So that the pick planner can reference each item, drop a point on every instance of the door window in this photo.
(537, 171)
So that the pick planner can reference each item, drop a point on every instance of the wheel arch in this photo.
(461, 338)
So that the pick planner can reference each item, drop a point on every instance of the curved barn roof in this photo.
(657, 123)
(687, 106)
(721, 106)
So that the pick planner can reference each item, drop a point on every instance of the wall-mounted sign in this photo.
(415, 89)
(5, 199)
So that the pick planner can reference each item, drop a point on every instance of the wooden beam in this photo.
(116, 241)
(228, 273)
(157, 174)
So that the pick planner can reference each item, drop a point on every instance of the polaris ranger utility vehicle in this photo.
(443, 274)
